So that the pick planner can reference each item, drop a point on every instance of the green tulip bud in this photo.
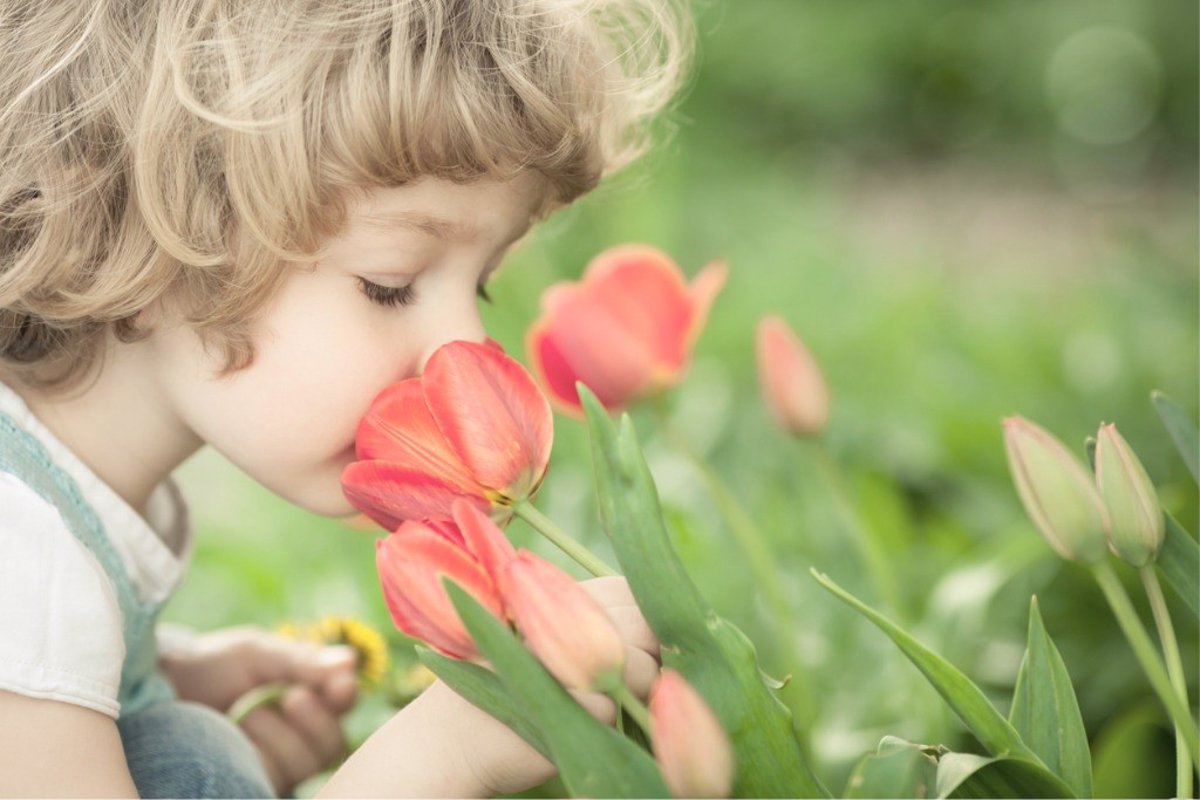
(1057, 491)
(1135, 516)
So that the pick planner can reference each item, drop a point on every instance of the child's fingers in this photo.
(609, 590)
(640, 673)
(278, 658)
(339, 691)
(598, 705)
(318, 726)
(634, 629)
(285, 753)
(641, 670)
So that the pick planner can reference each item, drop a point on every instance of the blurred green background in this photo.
(967, 210)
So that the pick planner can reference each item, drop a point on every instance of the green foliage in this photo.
(959, 692)
(1179, 564)
(712, 654)
(1183, 431)
(482, 688)
(966, 775)
(896, 769)
(593, 759)
(1045, 713)
(1133, 754)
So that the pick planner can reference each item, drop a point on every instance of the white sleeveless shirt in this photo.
(60, 622)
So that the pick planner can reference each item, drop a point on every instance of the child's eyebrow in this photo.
(429, 224)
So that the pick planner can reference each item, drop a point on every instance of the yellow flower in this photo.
(367, 643)
(416, 679)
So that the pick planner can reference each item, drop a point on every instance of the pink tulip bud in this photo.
(692, 749)
(564, 627)
(793, 388)
(1058, 493)
(471, 550)
(1137, 526)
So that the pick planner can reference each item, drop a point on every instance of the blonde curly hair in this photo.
(188, 149)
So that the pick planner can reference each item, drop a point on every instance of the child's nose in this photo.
(449, 328)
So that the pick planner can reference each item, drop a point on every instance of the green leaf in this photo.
(632, 516)
(1134, 756)
(483, 689)
(897, 768)
(1179, 564)
(1045, 712)
(715, 657)
(1181, 429)
(964, 697)
(593, 760)
(966, 775)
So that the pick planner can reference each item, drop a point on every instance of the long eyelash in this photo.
(390, 296)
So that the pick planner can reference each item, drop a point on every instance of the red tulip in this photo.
(474, 425)
(793, 388)
(412, 561)
(565, 628)
(626, 330)
(692, 749)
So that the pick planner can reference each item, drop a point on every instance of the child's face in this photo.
(324, 347)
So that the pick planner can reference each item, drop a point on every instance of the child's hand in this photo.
(501, 761)
(299, 736)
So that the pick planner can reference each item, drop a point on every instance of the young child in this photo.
(233, 222)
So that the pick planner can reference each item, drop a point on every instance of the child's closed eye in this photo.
(389, 296)
(392, 296)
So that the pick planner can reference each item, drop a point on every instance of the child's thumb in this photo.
(303, 662)
(338, 685)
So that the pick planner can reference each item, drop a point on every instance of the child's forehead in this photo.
(451, 211)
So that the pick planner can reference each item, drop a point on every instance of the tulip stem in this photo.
(630, 702)
(1143, 648)
(754, 544)
(259, 696)
(865, 542)
(1166, 635)
(546, 527)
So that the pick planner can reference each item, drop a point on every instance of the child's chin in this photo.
(324, 499)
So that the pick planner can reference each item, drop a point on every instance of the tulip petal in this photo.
(703, 292)
(396, 559)
(562, 624)
(483, 538)
(1057, 492)
(391, 494)
(626, 330)
(662, 311)
(399, 428)
(1136, 524)
(552, 369)
(603, 353)
(411, 564)
(446, 528)
(492, 413)
(793, 388)
(554, 295)
(688, 741)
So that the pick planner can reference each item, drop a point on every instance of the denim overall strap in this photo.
(22, 455)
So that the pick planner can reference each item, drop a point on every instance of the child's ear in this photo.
(148, 318)
(153, 315)
(165, 310)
